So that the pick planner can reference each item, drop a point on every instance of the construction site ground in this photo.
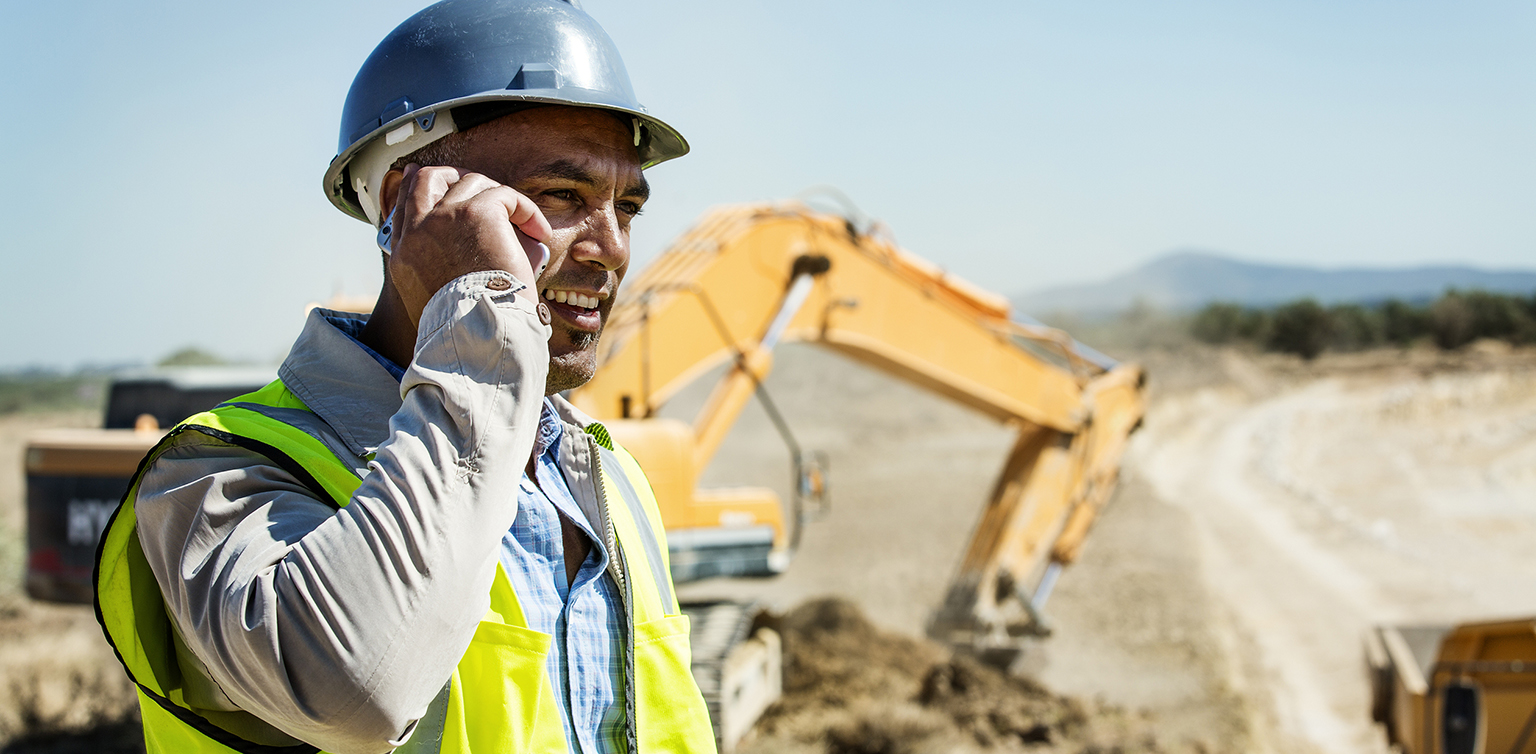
(1270, 510)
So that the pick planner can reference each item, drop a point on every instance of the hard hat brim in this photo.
(662, 142)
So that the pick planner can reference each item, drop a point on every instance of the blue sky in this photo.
(166, 157)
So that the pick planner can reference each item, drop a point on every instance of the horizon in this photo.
(1323, 267)
(1016, 298)
(1188, 280)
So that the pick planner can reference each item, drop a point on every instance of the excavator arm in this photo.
(747, 278)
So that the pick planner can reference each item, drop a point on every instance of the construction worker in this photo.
(409, 541)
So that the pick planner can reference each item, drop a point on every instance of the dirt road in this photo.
(1374, 488)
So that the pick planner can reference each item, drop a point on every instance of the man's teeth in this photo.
(572, 297)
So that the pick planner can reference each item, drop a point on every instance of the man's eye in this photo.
(630, 208)
(565, 195)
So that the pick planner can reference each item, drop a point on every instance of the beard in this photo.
(575, 367)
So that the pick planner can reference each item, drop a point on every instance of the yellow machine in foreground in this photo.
(1467, 689)
(748, 278)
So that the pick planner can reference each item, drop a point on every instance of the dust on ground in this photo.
(63, 690)
(850, 688)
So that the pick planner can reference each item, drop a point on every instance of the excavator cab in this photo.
(732, 531)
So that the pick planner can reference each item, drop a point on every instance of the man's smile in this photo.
(575, 298)
(581, 309)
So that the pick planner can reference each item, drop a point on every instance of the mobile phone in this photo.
(385, 238)
(538, 255)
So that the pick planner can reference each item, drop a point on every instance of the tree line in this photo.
(1307, 328)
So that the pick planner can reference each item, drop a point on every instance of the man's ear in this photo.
(389, 192)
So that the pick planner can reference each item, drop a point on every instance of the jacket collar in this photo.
(340, 382)
(569, 413)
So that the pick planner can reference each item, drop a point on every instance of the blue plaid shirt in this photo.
(586, 658)
(586, 619)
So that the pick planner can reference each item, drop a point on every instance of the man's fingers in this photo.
(522, 212)
(422, 189)
(466, 188)
(450, 221)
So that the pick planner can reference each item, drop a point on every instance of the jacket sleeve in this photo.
(339, 628)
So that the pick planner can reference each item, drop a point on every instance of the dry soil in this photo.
(1269, 511)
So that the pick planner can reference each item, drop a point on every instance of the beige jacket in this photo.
(339, 628)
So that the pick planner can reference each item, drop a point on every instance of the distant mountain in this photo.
(1189, 280)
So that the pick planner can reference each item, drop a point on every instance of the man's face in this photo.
(580, 166)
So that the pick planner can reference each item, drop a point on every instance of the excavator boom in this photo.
(723, 282)
(750, 277)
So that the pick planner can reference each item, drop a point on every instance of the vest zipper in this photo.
(619, 568)
(610, 539)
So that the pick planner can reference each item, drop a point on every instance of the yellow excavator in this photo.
(744, 280)
(748, 278)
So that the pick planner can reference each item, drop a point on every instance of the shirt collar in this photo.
(550, 429)
(353, 329)
(331, 373)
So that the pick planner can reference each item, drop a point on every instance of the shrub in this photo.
(1223, 322)
(1497, 316)
(1459, 318)
(44, 391)
(1301, 327)
(1305, 327)
(1216, 323)
(191, 356)
(1353, 327)
(1402, 324)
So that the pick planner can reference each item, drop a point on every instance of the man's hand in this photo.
(450, 222)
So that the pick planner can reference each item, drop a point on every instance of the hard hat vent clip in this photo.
(395, 109)
(536, 76)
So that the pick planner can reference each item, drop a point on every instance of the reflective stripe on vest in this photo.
(499, 697)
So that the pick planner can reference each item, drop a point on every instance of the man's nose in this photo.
(603, 242)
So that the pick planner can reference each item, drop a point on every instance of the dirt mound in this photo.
(850, 688)
(61, 690)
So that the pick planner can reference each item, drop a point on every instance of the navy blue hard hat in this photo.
(459, 63)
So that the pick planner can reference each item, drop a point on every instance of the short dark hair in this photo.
(448, 150)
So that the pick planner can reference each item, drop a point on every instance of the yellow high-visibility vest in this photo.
(499, 698)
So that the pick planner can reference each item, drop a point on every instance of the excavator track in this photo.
(738, 669)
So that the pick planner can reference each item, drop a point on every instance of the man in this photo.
(403, 542)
